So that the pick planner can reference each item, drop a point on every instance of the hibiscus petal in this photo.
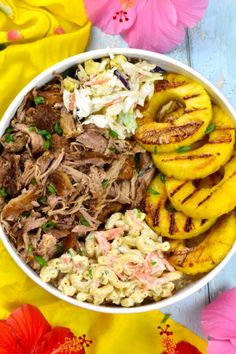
(190, 11)
(109, 15)
(220, 347)
(219, 318)
(161, 32)
(52, 340)
(7, 341)
(28, 325)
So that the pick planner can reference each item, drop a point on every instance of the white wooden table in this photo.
(210, 48)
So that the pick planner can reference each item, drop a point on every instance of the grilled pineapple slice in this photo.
(208, 158)
(205, 202)
(170, 223)
(210, 249)
(181, 129)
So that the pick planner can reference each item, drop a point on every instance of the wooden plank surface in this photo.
(210, 48)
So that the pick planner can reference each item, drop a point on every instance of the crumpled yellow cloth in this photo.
(36, 34)
(111, 334)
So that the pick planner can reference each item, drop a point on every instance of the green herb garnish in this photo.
(210, 128)
(57, 128)
(3, 192)
(38, 100)
(9, 130)
(182, 149)
(165, 318)
(48, 225)
(80, 252)
(155, 150)
(105, 183)
(162, 178)
(59, 249)
(43, 200)
(139, 213)
(45, 134)
(46, 144)
(51, 189)
(113, 149)
(41, 261)
(30, 249)
(84, 221)
(152, 191)
(32, 129)
(9, 138)
(26, 213)
(90, 273)
(153, 263)
(33, 181)
(113, 134)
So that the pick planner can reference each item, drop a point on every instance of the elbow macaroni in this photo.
(123, 270)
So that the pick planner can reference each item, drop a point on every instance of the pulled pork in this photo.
(59, 181)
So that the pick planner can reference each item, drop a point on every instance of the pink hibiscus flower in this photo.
(148, 24)
(219, 323)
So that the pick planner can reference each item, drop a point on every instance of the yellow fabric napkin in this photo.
(37, 34)
(111, 334)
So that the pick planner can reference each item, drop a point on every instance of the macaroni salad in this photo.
(123, 265)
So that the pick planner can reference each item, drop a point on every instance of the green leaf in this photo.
(38, 100)
(105, 183)
(152, 191)
(182, 149)
(9, 138)
(113, 134)
(48, 225)
(44, 133)
(41, 261)
(166, 317)
(57, 128)
(43, 200)
(3, 192)
(51, 189)
(33, 181)
(32, 129)
(153, 263)
(162, 178)
(84, 221)
(46, 144)
(9, 130)
(90, 273)
(210, 128)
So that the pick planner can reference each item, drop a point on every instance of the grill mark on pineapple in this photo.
(177, 189)
(221, 141)
(225, 128)
(164, 85)
(172, 223)
(168, 135)
(193, 96)
(188, 225)
(190, 157)
(189, 196)
(155, 214)
(187, 111)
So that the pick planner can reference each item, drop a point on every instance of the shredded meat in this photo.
(56, 195)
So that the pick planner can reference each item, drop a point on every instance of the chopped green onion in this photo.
(139, 213)
(59, 249)
(44, 133)
(113, 134)
(38, 100)
(90, 272)
(80, 252)
(57, 128)
(162, 177)
(41, 261)
(210, 128)
(32, 129)
(166, 317)
(46, 144)
(152, 191)
(48, 225)
(9, 138)
(113, 149)
(33, 181)
(51, 189)
(155, 150)
(30, 249)
(105, 183)
(9, 130)
(154, 263)
(43, 200)
(183, 149)
(3, 192)
(84, 221)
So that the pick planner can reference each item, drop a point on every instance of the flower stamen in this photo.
(121, 16)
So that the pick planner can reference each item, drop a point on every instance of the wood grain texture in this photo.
(210, 48)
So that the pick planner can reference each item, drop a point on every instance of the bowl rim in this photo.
(46, 76)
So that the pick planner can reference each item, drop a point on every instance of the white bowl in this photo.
(168, 64)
